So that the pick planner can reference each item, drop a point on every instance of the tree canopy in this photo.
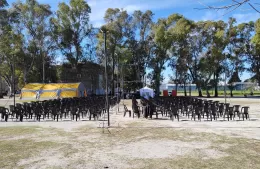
(33, 38)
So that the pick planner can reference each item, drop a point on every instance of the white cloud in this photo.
(213, 15)
(97, 24)
(242, 18)
(132, 8)
(221, 15)
(98, 7)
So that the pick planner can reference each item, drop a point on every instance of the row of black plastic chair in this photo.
(58, 109)
(193, 107)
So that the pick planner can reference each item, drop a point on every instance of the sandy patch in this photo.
(147, 149)
(212, 154)
(45, 159)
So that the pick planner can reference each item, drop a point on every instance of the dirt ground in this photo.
(134, 143)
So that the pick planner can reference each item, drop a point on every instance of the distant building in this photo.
(90, 74)
(237, 86)
(171, 87)
(244, 85)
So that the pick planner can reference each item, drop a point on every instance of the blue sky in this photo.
(163, 8)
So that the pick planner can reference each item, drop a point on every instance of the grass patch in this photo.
(86, 141)
(242, 152)
(12, 151)
(18, 131)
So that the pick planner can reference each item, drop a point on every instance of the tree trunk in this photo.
(157, 84)
(231, 92)
(190, 89)
(25, 76)
(258, 78)
(216, 84)
(216, 90)
(185, 91)
(207, 91)
(200, 91)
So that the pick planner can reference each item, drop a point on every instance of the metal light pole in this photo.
(107, 102)
(117, 86)
(43, 69)
(123, 94)
(14, 80)
(225, 83)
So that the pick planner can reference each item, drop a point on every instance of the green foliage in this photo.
(199, 52)
(71, 30)
(3, 3)
(234, 78)
(25, 43)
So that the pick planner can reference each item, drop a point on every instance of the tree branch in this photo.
(231, 7)
(254, 8)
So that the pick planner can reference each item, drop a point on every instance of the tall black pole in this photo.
(225, 83)
(107, 102)
(43, 69)
(14, 80)
(117, 83)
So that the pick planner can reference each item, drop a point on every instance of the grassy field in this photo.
(133, 143)
(131, 147)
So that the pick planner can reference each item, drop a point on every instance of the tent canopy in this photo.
(53, 90)
(33, 86)
(30, 90)
(147, 92)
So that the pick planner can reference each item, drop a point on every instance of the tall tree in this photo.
(163, 42)
(197, 40)
(3, 13)
(140, 41)
(234, 78)
(117, 25)
(72, 30)
(10, 43)
(238, 39)
(254, 58)
(36, 50)
(216, 47)
(180, 32)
